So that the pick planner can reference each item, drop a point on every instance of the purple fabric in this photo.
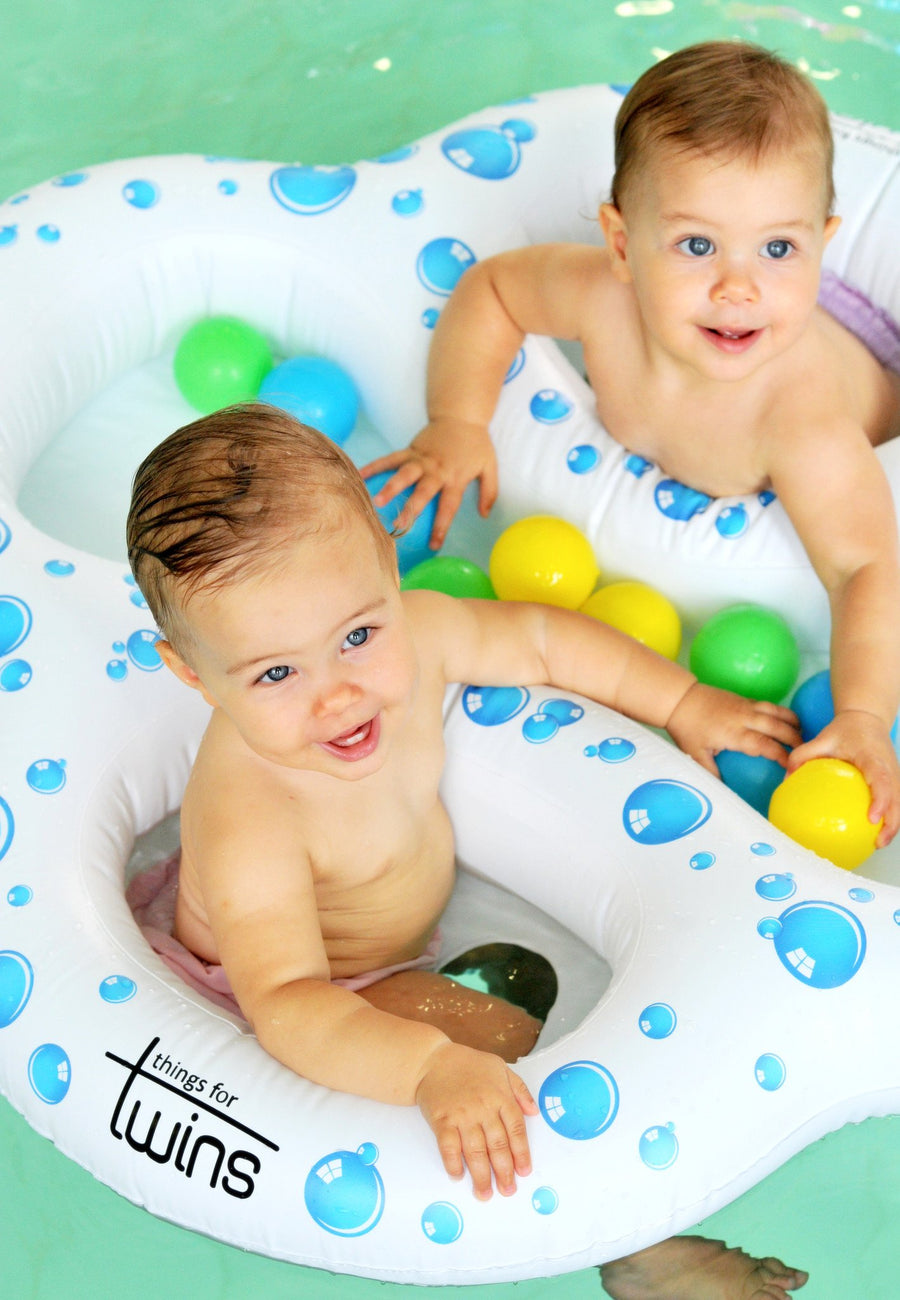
(872, 325)
(152, 896)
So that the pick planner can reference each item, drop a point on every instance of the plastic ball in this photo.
(317, 392)
(813, 704)
(641, 611)
(824, 806)
(753, 776)
(219, 361)
(749, 650)
(543, 559)
(451, 574)
(412, 546)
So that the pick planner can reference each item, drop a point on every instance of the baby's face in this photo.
(311, 659)
(725, 257)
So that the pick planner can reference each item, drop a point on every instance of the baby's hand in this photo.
(862, 739)
(444, 458)
(476, 1107)
(707, 720)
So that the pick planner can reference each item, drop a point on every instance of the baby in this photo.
(316, 856)
(708, 354)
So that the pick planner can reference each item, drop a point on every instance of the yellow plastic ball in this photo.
(641, 611)
(824, 806)
(544, 559)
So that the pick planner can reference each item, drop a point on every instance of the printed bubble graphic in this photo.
(565, 712)
(441, 263)
(821, 944)
(15, 623)
(661, 811)
(141, 649)
(141, 194)
(732, 521)
(614, 749)
(658, 1146)
(539, 728)
(583, 458)
(59, 568)
(550, 406)
(47, 776)
(407, 203)
(16, 983)
(489, 152)
(658, 1020)
(490, 706)
(344, 1193)
(309, 191)
(7, 827)
(20, 895)
(702, 861)
(117, 988)
(676, 501)
(545, 1200)
(776, 886)
(50, 1073)
(770, 1072)
(15, 675)
(442, 1223)
(579, 1101)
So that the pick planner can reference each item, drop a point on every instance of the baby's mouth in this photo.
(357, 742)
(733, 341)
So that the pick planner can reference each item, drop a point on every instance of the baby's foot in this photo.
(693, 1268)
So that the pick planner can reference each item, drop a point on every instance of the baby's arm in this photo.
(541, 289)
(835, 491)
(266, 926)
(508, 643)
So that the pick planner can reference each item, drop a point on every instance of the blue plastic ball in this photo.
(813, 704)
(412, 546)
(753, 777)
(317, 392)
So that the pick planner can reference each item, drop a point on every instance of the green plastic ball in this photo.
(219, 361)
(450, 574)
(749, 650)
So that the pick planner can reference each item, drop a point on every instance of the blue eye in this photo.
(696, 246)
(359, 636)
(277, 674)
(777, 249)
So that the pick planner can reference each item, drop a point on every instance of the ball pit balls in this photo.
(641, 611)
(412, 546)
(450, 574)
(315, 391)
(824, 806)
(813, 704)
(219, 361)
(753, 776)
(543, 559)
(749, 650)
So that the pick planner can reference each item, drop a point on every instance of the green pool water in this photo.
(332, 81)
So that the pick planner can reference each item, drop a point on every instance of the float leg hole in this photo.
(507, 970)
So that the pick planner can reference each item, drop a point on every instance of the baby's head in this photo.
(219, 499)
(726, 100)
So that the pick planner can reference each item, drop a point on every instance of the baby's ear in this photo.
(183, 671)
(616, 238)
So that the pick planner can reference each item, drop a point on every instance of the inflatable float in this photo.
(747, 1012)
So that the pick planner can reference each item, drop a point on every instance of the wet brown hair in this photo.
(219, 497)
(726, 98)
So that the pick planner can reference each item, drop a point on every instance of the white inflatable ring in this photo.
(749, 1009)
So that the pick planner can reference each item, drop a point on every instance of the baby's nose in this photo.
(336, 696)
(736, 284)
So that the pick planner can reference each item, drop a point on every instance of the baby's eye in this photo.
(777, 249)
(359, 636)
(277, 674)
(696, 246)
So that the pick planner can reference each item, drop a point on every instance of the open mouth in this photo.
(731, 341)
(357, 742)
